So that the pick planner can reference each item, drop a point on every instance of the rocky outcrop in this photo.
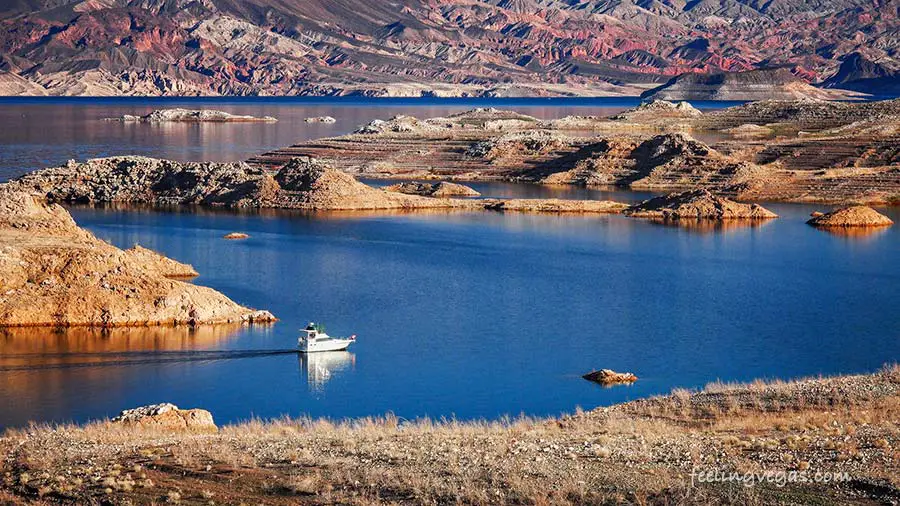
(555, 206)
(440, 189)
(763, 84)
(302, 183)
(53, 273)
(855, 216)
(610, 377)
(236, 236)
(697, 204)
(167, 417)
(320, 119)
(193, 116)
(655, 110)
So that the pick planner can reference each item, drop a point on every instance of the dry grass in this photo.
(641, 452)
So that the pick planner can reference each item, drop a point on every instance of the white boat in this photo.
(315, 339)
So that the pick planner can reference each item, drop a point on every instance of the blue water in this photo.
(468, 315)
(474, 315)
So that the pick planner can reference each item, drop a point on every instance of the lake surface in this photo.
(467, 315)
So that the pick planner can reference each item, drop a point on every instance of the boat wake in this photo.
(39, 361)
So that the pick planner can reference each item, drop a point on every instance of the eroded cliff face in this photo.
(53, 273)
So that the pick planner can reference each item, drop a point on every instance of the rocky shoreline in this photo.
(780, 434)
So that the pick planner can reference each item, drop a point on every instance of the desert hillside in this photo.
(417, 47)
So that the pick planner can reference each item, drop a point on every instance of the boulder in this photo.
(854, 216)
(167, 417)
(697, 204)
(610, 377)
(320, 119)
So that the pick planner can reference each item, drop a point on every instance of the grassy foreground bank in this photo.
(823, 440)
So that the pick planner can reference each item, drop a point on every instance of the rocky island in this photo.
(53, 273)
(855, 216)
(697, 205)
(193, 116)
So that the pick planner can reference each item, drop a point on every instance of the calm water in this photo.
(464, 314)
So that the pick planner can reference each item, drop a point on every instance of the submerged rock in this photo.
(441, 189)
(854, 216)
(167, 417)
(610, 377)
(192, 116)
(697, 204)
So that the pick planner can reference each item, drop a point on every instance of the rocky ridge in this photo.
(419, 48)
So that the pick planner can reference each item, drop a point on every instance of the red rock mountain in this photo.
(422, 47)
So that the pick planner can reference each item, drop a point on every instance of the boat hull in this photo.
(329, 345)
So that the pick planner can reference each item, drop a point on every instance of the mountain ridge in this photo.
(424, 47)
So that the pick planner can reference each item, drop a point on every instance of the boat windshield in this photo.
(316, 327)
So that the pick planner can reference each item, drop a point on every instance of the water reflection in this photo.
(709, 226)
(855, 232)
(319, 368)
